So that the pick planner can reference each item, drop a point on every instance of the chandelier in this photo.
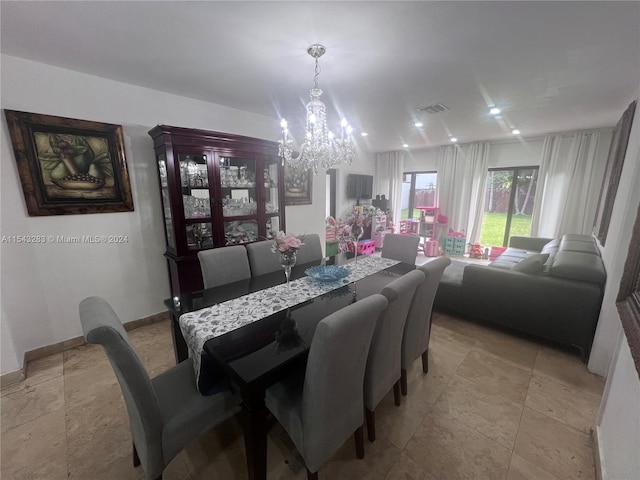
(321, 149)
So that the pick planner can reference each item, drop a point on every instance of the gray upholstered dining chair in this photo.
(400, 247)
(417, 329)
(262, 259)
(224, 265)
(165, 412)
(323, 408)
(383, 365)
(311, 251)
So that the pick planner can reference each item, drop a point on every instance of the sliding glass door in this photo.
(418, 190)
(509, 199)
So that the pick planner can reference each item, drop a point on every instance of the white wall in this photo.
(618, 424)
(43, 284)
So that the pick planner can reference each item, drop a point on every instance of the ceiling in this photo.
(550, 66)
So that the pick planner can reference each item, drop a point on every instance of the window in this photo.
(509, 199)
(418, 190)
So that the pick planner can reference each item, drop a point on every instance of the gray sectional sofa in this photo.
(551, 288)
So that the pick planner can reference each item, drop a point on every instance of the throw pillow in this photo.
(531, 264)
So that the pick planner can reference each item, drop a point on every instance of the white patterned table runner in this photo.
(210, 322)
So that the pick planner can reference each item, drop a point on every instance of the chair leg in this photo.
(312, 476)
(370, 417)
(136, 458)
(403, 381)
(425, 361)
(396, 393)
(359, 436)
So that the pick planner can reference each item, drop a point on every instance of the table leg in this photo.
(254, 426)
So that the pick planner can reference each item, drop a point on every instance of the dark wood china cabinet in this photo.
(217, 189)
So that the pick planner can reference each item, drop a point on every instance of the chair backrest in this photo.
(101, 325)
(332, 396)
(224, 265)
(311, 251)
(400, 247)
(262, 259)
(383, 364)
(415, 340)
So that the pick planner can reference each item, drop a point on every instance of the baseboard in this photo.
(11, 378)
(597, 454)
(18, 376)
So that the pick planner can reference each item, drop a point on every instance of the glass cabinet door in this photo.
(239, 201)
(166, 201)
(271, 196)
(196, 201)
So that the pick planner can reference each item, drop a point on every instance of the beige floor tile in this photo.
(38, 371)
(554, 446)
(407, 469)
(498, 341)
(564, 402)
(31, 402)
(522, 469)
(502, 376)
(84, 385)
(480, 406)
(98, 432)
(378, 459)
(568, 368)
(397, 424)
(449, 449)
(36, 450)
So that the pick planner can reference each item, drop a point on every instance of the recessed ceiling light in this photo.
(418, 124)
(364, 134)
(515, 131)
(405, 145)
(453, 139)
(494, 111)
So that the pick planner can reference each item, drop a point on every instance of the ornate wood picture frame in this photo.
(612, 172)
(298, 186)
(69, 166)
(628, 300)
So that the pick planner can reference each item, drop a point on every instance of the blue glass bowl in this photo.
(327, 273)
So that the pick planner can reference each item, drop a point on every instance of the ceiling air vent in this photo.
(437, 108)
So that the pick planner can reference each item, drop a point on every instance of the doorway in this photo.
(509, 199)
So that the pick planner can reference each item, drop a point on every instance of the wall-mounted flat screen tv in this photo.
(359, 186)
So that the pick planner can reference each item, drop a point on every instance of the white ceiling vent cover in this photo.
(437, 108)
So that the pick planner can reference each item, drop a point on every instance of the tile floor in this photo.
(493, 406)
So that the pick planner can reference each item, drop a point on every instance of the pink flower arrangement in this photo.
(286, 243)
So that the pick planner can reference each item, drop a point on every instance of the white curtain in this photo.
(461, 184)
(389, 170)
(568, 177)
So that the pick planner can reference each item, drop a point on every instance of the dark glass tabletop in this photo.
(258, 354)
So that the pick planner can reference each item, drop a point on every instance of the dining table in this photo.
(250, 334)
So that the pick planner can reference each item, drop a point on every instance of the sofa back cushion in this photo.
(532, 264)
(585, 267)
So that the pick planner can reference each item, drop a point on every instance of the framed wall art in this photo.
(298, 186)
(628, 300)
(612, 172)
(69, 166)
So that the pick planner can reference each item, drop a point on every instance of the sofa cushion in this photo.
(579, 246)
(531, 264)
(578, 266)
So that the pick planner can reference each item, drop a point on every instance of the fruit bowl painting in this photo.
(69, 166)
(327, 273)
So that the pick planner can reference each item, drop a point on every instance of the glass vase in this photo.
(356, 233)
(288, 260)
